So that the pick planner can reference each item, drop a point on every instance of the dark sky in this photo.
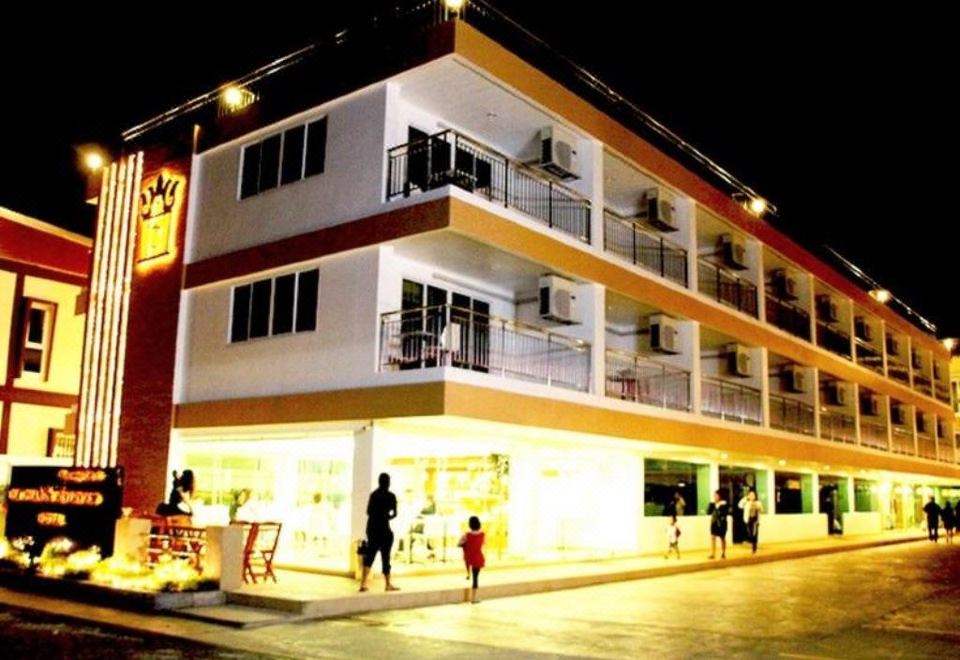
(846, 122)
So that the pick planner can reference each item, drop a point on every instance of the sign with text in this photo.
(81, 504)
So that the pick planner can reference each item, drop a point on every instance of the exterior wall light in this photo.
(758, 206)
(881, 295)
(950, 343)
(93, 161)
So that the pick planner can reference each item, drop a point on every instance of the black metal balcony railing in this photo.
(730, 401)
(926, 447)
(788, 317)
(874, 435)
(922, 384)
(448, 336)
(835, 341)
(637, 378)
(625, 239)
(942, 392)
(838, 427)
(868, 356)
(449, 158)
(727, 288)
(902, 441)
(898, 370)
(791, 415)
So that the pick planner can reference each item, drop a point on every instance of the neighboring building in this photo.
(43, 272)
(460, 272)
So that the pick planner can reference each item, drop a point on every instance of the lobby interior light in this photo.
(781, 462)
(881, 295)
(454, 5)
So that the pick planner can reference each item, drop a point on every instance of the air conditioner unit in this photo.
(921, 423)
(450, 340)
(657, 208)
(557, 299)
(862, 329)
(835, 393)
(893, 345)
(558, 152)
(794, 378)
(916, 360)
(733, 249)
(827, 309)
(870, 405)
(897, 413)
(785, 284)
(738, 361)
(664, 334)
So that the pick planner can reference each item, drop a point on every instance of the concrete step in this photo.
(237, 616)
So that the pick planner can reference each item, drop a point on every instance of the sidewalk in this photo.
(301, 597)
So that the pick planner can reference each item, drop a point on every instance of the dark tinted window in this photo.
(269, 162)
(292, 155)
(241, 313)
(283, 304)
(35, 331)
(307, 291)
(260, 309)
(316, 147)
(249, 181)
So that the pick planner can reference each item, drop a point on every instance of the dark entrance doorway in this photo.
(735, 483)
(833, 496)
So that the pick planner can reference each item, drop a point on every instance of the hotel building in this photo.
(417, 251)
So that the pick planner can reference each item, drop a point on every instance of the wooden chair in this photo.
(259, 550)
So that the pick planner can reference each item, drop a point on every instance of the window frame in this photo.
(304, 157)
(45, 346)
(246, 338)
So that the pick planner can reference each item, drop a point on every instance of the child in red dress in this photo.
(472, 544)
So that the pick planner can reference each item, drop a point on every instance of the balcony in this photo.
(731, 402)
(947, 454)
(791, 415)
(725, 287)
(926, 447)
(833, 340)
(637, 378)
(625, 239)
(898, 371)
(788, 317)
(447, 336)
(838, 427)
(448, 158)
(942, 392)
(902, 441)
(874, 435)
(922, 384)
(868, 356)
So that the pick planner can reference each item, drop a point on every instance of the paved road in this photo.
(900, 601)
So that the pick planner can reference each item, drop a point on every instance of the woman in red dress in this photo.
(472, 543)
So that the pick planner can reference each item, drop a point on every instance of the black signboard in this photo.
(82, 504)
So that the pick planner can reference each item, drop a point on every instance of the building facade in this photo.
(43, 275)
(460, 272)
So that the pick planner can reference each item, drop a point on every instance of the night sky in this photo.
(846, 122)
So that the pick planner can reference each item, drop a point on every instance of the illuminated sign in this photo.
(160, 200)
(81, 504)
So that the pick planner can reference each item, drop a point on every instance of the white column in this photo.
(364, 479)
(597, 196)
(765, 386)
(696, 372)
(815, 494)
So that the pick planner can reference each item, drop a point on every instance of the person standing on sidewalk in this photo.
(932, 509)
(718, 510)
(381, 509)
(673, 537)
(949, 520)
(472, 544)
(752, 508)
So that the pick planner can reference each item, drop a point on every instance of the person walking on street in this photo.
(949, 521)
(673, 537)
(752, 508)
(472, 544)
(718, 510)
(381, 509)
(932, 509)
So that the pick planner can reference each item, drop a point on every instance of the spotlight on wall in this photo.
(93, 160)
(757, 206)
(881, 295)
(950, 343)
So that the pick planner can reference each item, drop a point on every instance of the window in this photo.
(283, 158)
(663, 482)
(276, 306)
(38, 321)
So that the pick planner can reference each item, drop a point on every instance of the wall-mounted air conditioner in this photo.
(898, 413)
(834, 393)
(657, 209)
(862, 329)
(870, 405)
(893, 345)
(558, 152)
(827, 309)
(558, 299)
(794, 378)
(738, 361)
(664, 334)
(733, 251)
(784, 284)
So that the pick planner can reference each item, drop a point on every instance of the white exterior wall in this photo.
(350, 187)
